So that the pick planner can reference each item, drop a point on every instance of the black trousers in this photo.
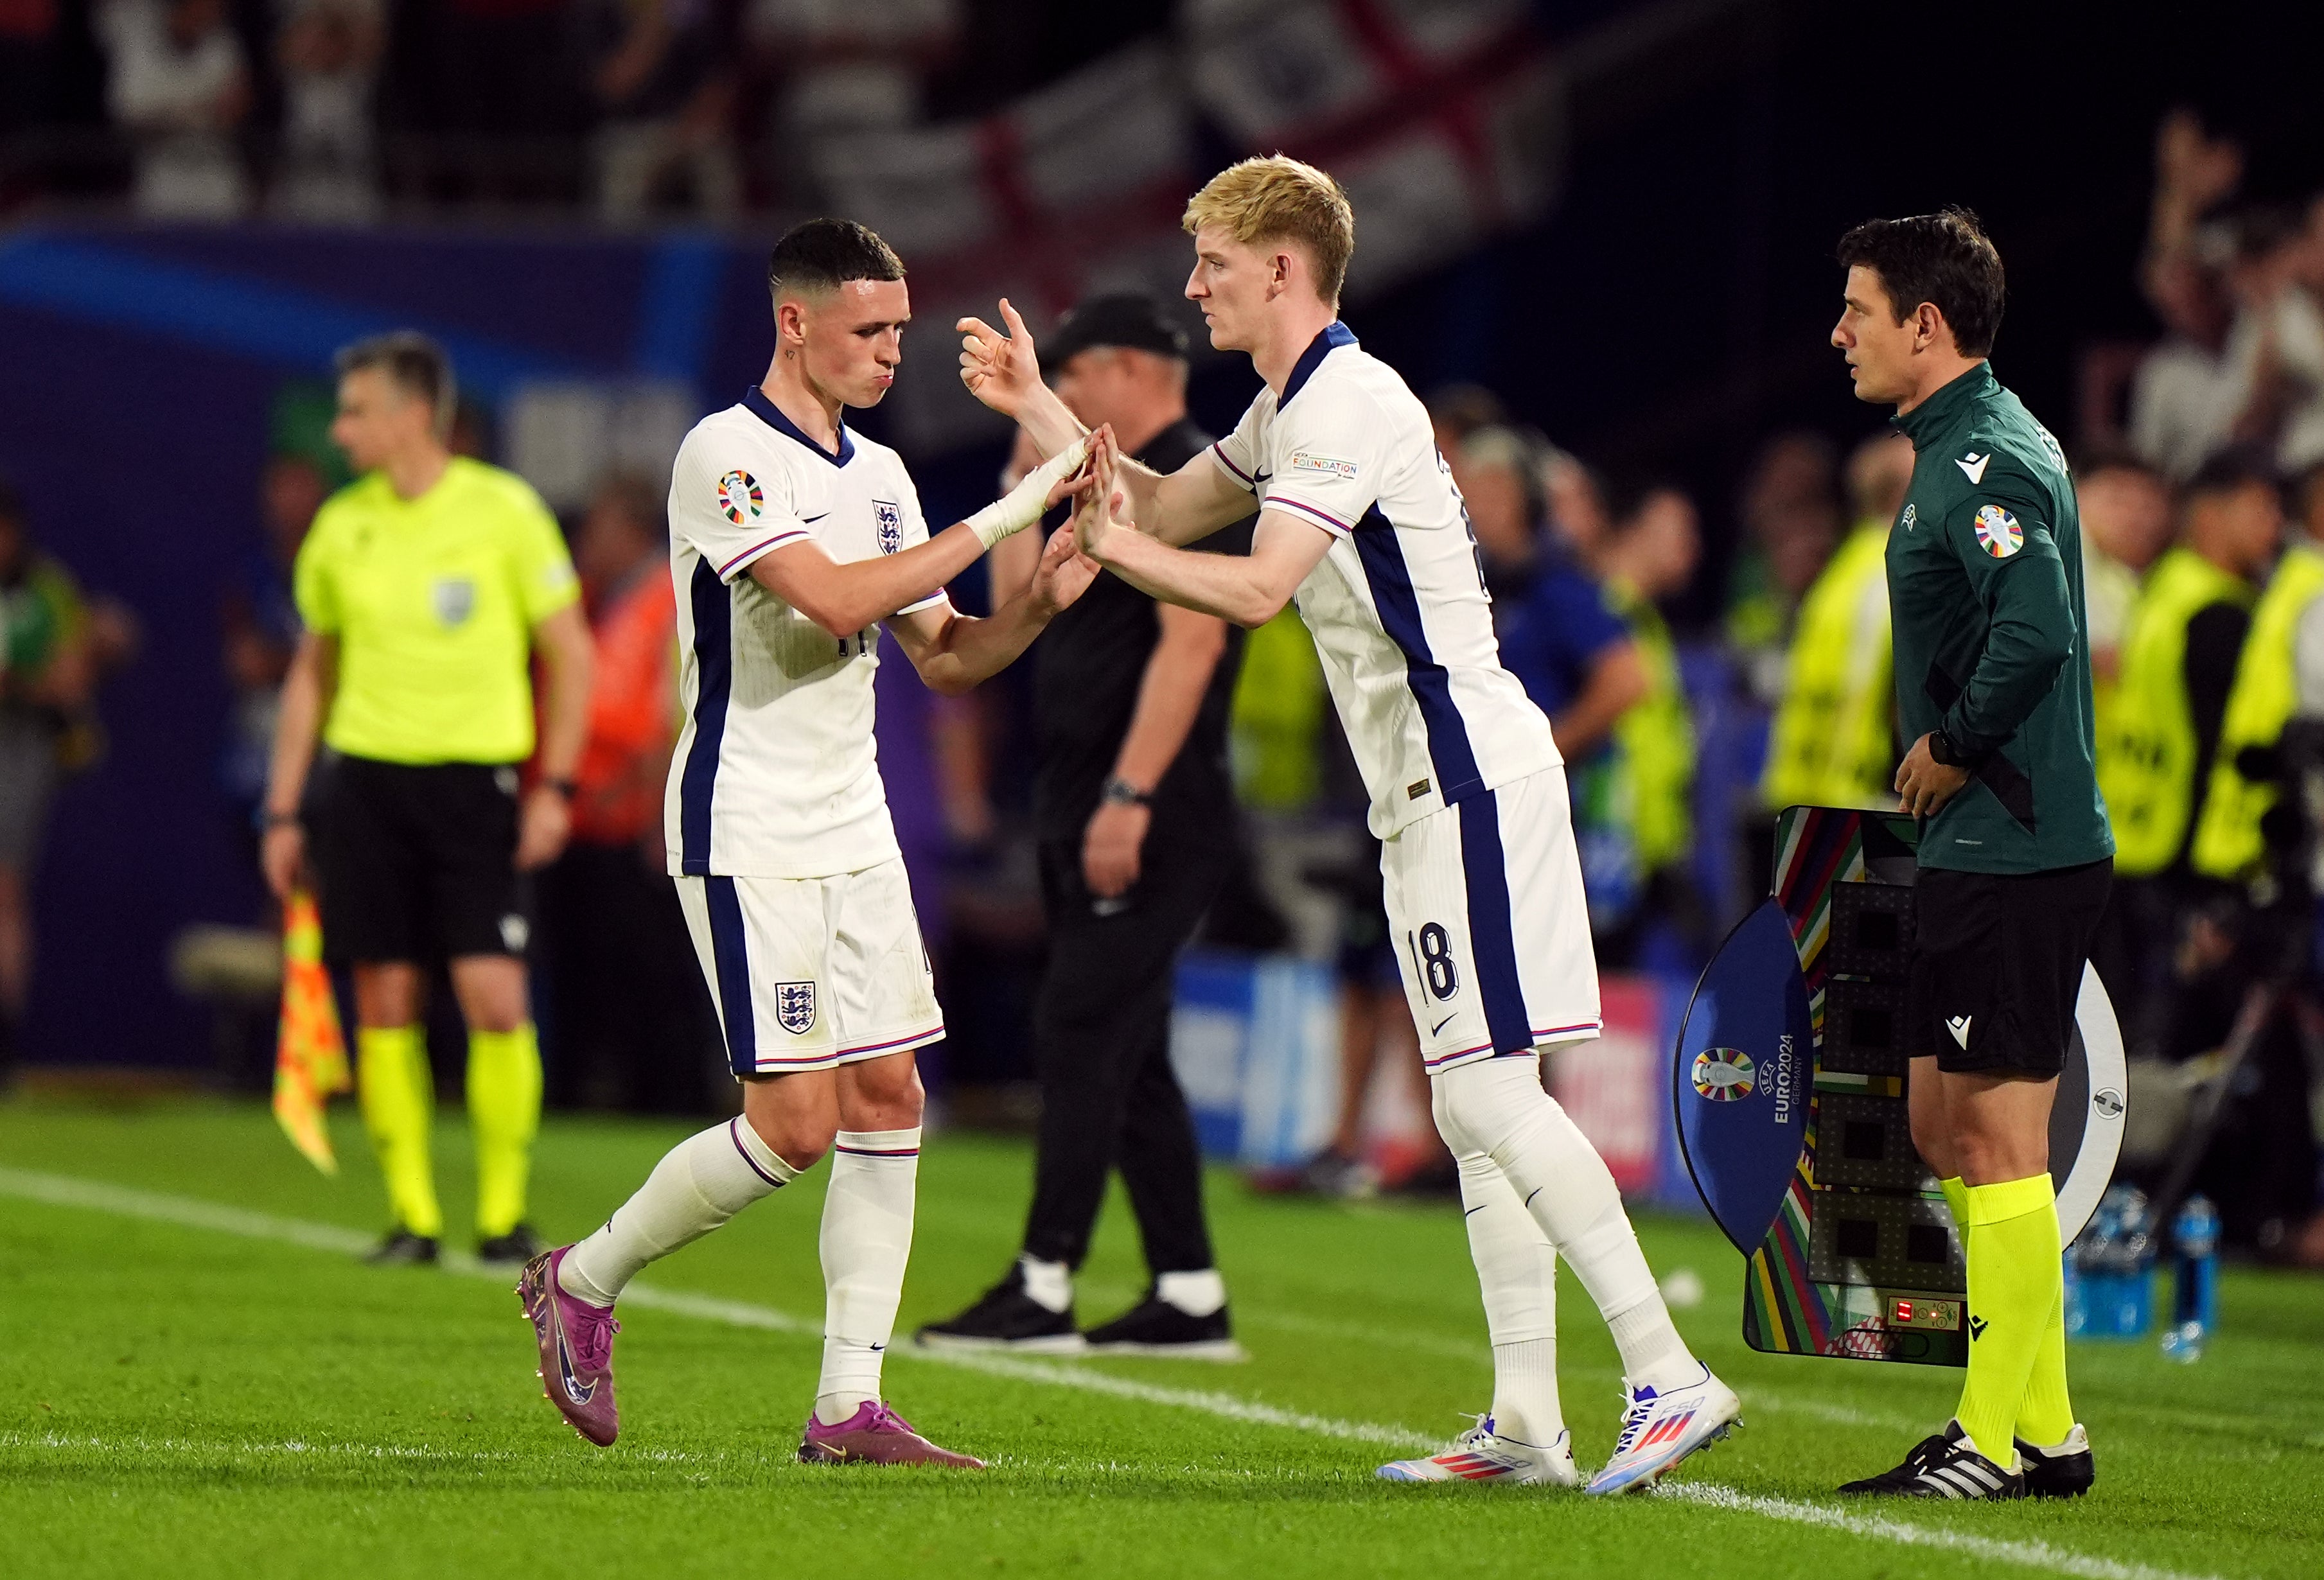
(1102, 1050)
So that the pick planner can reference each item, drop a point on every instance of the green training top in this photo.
(433, 601)
(1985, 594)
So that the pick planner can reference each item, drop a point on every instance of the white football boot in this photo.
(1480, 1454)
(1659, 1430)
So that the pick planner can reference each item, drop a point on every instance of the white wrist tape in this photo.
(1020, 507)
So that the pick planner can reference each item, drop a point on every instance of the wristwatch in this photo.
(1121, 791)
(1941, 750)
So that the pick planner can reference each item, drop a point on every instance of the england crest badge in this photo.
(891, 525)
(795, 1007)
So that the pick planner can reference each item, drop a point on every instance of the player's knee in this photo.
(800, 1140)
(881, 1094)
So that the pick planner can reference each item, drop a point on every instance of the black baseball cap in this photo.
(1128, 319)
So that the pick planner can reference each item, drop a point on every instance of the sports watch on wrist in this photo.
(1121, 791)
(1941, 750)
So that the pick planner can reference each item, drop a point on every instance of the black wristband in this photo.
(1941, 750)
(568, 788)
(1122, 792)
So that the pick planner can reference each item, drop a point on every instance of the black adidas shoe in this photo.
(402, 1248)
(2064, 1470)
(1155, 1327)
(1007, 1317)
(513, 1249)
(1943, 1467)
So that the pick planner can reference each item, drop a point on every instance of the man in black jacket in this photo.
(1135, 815)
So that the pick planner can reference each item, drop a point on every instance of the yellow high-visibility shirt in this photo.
(433, 601)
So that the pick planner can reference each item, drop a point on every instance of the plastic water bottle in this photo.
(2114, 1260)
(2194, 1281)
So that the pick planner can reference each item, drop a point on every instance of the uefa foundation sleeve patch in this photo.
(1997, 532)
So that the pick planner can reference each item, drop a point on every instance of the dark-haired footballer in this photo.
(1993, 690)
(792, 542)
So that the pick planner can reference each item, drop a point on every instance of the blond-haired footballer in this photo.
(1360, 525)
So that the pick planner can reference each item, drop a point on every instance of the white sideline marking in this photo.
(63, 1190)
(2033, 1555)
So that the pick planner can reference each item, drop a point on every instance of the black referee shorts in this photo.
(1998, 965)
(417, 863)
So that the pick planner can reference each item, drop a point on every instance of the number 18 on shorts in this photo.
(1491, 924)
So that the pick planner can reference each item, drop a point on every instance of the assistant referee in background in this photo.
(426, 585)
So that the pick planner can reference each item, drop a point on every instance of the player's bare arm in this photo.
(1248, 590)
(1004, 372)
(307, 690)
(843, 598)
(569, 656)
(954, 652)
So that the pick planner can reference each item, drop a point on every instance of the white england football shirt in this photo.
(1397, 606)
(776, 774)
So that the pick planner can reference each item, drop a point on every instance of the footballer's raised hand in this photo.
(1065, 573)
(999, 370)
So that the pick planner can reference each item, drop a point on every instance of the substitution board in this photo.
(1789, 1083)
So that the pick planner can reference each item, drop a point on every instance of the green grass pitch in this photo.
(190, 1393)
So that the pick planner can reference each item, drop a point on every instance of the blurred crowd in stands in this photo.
(2199, 462)
(324, 110)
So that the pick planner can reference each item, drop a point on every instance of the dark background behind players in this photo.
(1703, 157)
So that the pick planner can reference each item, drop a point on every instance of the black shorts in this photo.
(417, 863)
(1998, 965)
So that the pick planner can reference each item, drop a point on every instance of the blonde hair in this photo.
(1279, 199)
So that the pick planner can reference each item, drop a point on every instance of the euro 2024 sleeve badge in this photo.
(1998, 531)
(739, 496)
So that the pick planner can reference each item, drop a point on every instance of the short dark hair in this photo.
(1943, 258)
(2113, 455)
(413, 362)
(2232, 468)
(823, 254)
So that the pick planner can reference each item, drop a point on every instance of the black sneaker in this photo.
(2063, 1470)
(402, 1248)
(513, 1249)
(1155, 1327)
(1007, 1317)
(1943, 1467)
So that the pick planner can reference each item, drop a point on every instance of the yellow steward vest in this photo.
(1653, 741)
(2227, 843)
(2146, 759)
(1830, 745)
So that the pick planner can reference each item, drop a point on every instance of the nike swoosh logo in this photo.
(1959, 1026)
(1972, 465)
(1440, 1025)
(572, 1380)
(811, 521)
(878, 1347)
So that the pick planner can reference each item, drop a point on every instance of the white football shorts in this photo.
(1490, 926)
(809, 973)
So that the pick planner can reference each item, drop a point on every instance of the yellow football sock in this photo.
(2048, 1414)
(1956, 1201)
(2015, 1284)
(399, 1102)
(504, 1112)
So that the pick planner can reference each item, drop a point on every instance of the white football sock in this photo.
(1497, 1107)
(699, 1184)
(1518, 1271)
(1047, 1284)
(867, 1240)
(1197, 1295)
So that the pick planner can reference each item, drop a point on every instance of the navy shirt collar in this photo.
(1335, 334)
(768, 412)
